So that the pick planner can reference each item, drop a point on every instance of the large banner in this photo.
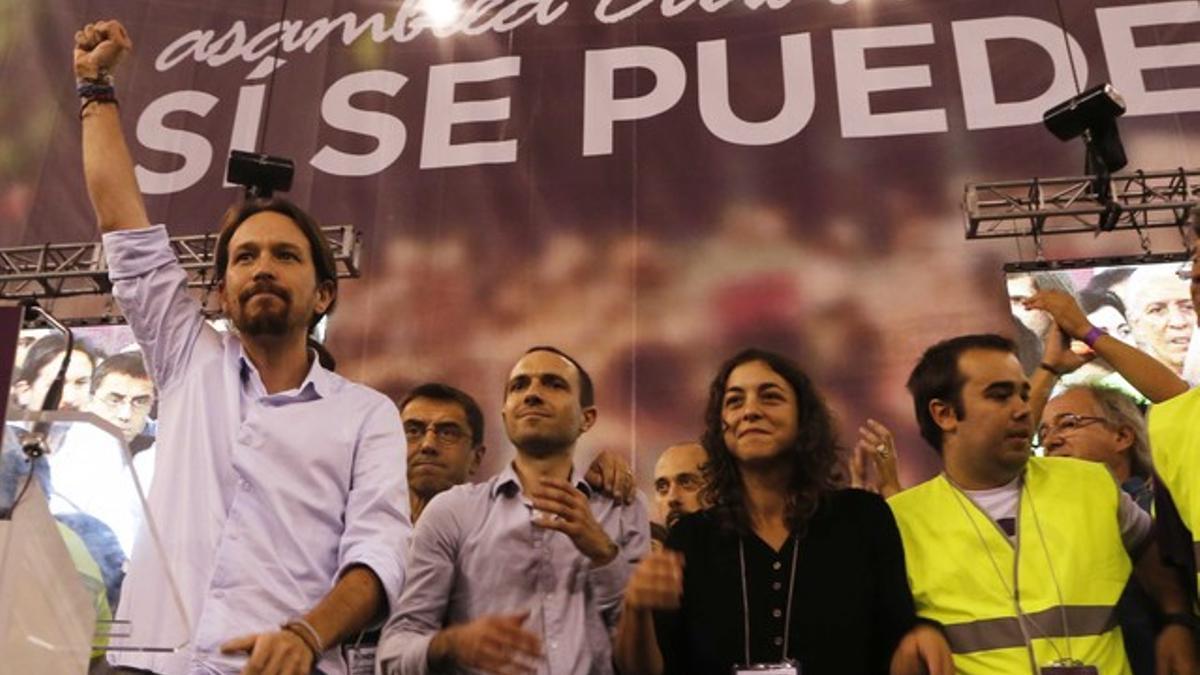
(647, 184)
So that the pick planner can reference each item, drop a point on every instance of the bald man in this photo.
(678, 478)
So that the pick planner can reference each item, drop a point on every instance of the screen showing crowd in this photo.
(1145, 304)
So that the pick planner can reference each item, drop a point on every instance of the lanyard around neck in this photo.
(787, 616)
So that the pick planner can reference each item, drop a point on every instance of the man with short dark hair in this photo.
(444, 429)
(282, 516)
(89, 468)
(40, 367)
(123, 393)
(1012, 554)
(493, 586)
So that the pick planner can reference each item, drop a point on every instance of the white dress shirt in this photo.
(261, 501)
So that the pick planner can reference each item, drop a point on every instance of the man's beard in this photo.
(673, 516)
(265, 322)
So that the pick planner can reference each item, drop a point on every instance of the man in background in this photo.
(1161, 314)
(492, 585)
(678, 478)
(444, 429)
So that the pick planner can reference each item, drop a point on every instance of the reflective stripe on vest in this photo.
(967, 575)
(1003, 633)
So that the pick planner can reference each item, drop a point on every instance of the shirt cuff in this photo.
(132, 253)
(403, 654)
(609, 580)
(389, 573)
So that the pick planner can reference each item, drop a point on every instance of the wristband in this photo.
(95, 91)
(1093, 335)
(1050, 369)
(1184, 619)
(307, 634)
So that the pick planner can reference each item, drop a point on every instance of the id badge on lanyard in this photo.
(788, 667)
(1069, 667)
(360, 659)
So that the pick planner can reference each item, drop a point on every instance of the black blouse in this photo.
(850, 605)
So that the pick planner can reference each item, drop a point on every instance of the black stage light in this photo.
(261, 175)
(1093, 115)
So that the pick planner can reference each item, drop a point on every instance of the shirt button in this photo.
(776, 565)
(245, 485)
(778, 641)
(776, 613)
(777, 586)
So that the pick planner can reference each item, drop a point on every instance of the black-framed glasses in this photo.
(444, 433)
(115, 401)
(1067, 422)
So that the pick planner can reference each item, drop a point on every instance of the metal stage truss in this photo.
(1037, 207)
(66, 270)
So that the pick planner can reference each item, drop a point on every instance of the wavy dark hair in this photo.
(816, 468)
(324, 264)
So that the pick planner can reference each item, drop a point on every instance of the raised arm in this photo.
(1154, 379)
(107, 166)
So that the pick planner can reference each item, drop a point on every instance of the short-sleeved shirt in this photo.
(261, 500)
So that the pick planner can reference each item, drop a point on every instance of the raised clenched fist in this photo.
(99, 47)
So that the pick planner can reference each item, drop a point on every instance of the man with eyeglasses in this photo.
(444, 429)
(522, 573)
(1102, 424)
(1022, 559)
(123, 393)
(88, 471)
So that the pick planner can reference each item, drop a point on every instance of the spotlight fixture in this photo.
(261, 175)
(1093, 115)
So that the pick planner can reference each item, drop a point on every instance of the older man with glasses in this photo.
(1104, 425)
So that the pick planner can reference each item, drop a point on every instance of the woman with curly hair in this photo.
(786, 567)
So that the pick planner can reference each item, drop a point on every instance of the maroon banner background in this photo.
(650, 248)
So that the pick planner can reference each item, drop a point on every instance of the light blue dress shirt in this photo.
(262, 501)
(477, 552)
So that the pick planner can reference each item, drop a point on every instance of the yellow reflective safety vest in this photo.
(1175, 443)
(999, 601)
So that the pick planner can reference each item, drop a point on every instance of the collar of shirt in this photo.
(1141, 490)
(317, 383)
(508, 483)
